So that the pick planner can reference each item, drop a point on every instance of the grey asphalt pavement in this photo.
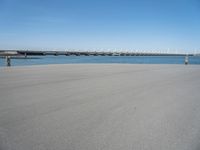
(100, 107)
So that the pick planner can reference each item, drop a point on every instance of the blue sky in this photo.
(100, 24)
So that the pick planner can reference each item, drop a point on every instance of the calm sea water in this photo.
(41, 60)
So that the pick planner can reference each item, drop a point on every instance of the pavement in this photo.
(100, 107)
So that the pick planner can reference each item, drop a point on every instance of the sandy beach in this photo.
(100, 107)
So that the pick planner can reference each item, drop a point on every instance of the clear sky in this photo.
(100, 24)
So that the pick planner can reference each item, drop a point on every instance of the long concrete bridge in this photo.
(84, 53)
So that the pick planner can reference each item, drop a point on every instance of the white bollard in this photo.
(186, 60)
(8, 61)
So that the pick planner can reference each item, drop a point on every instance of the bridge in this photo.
(84, 53)
(24, 53)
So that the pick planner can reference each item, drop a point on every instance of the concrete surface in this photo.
(100, 107)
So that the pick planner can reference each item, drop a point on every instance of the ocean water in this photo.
(41, 60)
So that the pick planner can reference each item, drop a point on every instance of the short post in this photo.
(8, 61)
(186, 60)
